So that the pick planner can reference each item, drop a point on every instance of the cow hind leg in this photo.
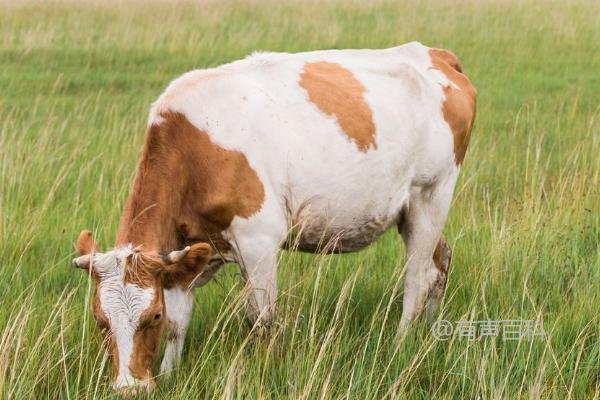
(427, 253)
(442, 257)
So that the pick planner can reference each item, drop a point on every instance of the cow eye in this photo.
(157, 316)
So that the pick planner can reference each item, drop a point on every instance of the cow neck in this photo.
(155, 201)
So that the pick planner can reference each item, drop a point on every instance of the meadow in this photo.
(76, 83)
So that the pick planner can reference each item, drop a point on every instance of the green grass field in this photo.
(76, 82)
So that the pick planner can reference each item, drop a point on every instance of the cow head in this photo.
(128, 302)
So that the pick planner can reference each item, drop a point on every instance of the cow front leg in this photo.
(179, 304)
(258, 264)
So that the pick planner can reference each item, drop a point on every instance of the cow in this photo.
(319, 151)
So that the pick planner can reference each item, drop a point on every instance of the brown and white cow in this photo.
(320, 151)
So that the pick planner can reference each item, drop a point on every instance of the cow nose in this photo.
(128, 392)
(139, 387)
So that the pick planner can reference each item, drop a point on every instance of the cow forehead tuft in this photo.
(113, 260)
(123, 302)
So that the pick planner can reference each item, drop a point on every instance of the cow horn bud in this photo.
(176, 256)
(82, 261)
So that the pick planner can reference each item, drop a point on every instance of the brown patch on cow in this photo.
(459, 107)
(146, 339)
(336, 91)
(187, 189)
(145, 350)
(442, 256)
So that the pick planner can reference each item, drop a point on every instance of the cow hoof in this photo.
(166, 371)
(261, 328)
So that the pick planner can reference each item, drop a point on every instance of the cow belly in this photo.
(317, 237)
(327, 230)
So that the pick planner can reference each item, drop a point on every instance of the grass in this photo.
(76, 82)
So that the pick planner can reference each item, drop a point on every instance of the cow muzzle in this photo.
(129, 386)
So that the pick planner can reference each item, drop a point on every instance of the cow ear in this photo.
(199, 254)
(86, 246)
(86, 243)
(183, 266)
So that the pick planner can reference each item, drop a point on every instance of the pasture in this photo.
(76, 83)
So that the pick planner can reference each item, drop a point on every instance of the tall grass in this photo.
(76, 81)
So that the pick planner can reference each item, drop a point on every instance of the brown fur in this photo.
(189, 268)
(459, 108)
(335, 91)
(149, 269)
(142, 269)
(147, 339)
(442, 256)
(187, 189)
(86, 244)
